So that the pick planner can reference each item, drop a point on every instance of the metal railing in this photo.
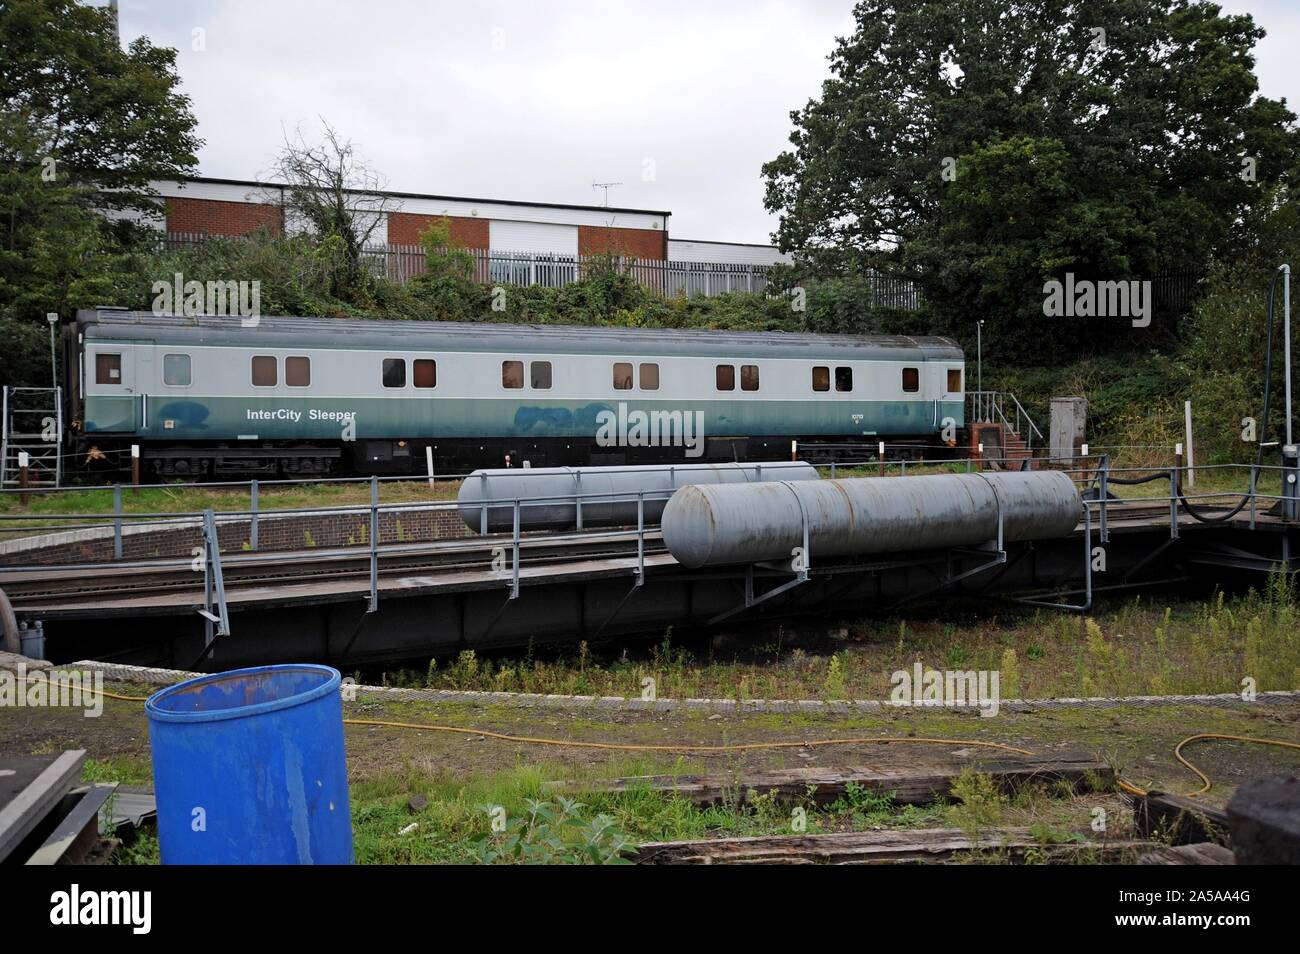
(1090, 472)
(1097, 478)
(209, 561)
(1103, 477)
(1003, 407)
(401, 263)
(33, 435)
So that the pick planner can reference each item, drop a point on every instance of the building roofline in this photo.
(674, 238)
(423, 195)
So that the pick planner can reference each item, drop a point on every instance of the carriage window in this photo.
(108, 369)
(394, 372)
(265, 373)
(512, 374)
(425, 372)
(843, 379)
(911, 379)
(649, 377)
(749, 377)
(821, 378)
(954, 380)
(726, 377)
(622, 376)
(176, 370)
(297, 372)
(540, 372)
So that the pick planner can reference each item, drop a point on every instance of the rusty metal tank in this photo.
(748, 523)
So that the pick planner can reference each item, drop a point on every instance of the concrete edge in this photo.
(161, 677)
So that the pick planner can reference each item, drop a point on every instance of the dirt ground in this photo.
(1137, 741)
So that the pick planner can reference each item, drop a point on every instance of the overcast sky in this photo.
(680, 101)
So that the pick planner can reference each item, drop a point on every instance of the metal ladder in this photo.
(31, 423)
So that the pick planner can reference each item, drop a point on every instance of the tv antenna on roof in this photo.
(606, 186)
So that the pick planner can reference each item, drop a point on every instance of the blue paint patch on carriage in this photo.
(587, 418)
(542, 419)
(189, 415)
(560, 421)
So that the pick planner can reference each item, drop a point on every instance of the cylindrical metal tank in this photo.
(744, 524)
(658, 481)
(248, 768)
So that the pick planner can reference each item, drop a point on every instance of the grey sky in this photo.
(681, 101)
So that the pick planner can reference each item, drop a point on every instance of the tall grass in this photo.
(1136, 647)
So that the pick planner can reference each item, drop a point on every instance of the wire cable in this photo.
(1206, 783)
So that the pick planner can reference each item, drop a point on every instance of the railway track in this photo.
(243, 570)
(1120, 512)
(177, 579)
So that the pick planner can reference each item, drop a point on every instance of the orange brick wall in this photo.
(404, 229)
(214, 217)
(635, 243)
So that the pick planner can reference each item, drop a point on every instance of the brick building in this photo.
(229, 207)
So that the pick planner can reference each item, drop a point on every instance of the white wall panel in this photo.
(218, 191)
(535, 237)
(685, 250)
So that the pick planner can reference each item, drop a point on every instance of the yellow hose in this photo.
(683, 747)
(1206, 784)
(751, 746)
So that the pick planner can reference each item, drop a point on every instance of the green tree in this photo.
(986, 146)
(448, 286)
(111, 119)
(1222, 362)
(84, 127)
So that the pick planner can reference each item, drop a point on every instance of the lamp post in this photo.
(979, 363)
(1286, 334)
(53, 319)
(1290, 454)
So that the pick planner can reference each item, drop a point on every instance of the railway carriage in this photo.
(210, 396)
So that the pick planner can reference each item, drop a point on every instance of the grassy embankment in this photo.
(447, 785)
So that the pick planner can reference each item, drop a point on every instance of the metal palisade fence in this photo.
(401, 263)
(667, 278)
(495, 267)
(1173, 290)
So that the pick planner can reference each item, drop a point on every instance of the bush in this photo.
(556, 834)
(25, 358)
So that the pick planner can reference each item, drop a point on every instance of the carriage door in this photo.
(143, 383)
(111, 403)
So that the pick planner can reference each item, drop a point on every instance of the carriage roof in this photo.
(378, 334)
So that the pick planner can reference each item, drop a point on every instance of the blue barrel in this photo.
(249, 769)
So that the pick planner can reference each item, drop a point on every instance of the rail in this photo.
(507, 551)
(1091, 473)
(1003, 407)
(207, 558)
